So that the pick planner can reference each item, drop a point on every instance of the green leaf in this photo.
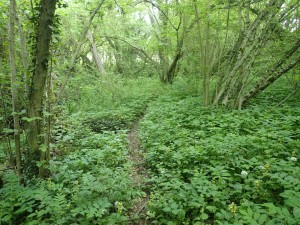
(243, 212)
(256, 215)
(27, 119)
(262, 219)
(250, 212)
(167, 209)
(43, 148)
(211, 208)
(8, 131)
(204, 216)
(271, 207)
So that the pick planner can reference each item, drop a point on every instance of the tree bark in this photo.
(117, 55)
(274, 73)
(14, 86)
(171, 71)
(45, 154)
(24, 54)
(206, 53)
(95, 54)
(8, 150)
(244, 52)
(164, 43)
(37, 88)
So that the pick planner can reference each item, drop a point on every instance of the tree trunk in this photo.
(14, 86)
(45, 154)
(77, 51)
(117, 55)
(274, 73)
(169, 77)
(243, 54)
(37, 88)
(164, 43)
(8, 149)
(206, 52)
(95, 54)
(24, 54)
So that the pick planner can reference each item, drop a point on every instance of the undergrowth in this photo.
(214, 166)
(91, 178)
(206, 165)
(88, 186)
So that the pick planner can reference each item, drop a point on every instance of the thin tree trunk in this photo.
(117, 55)
(8, 151)
(24, 54)
(245, 50)
(274, 73)
(163, 46)
(44, 34)
(206, 55)
(95, 54)
(206, 81)
(45, 154)
(171, 71)
(77, 51)
(287, 97)
(14, 86)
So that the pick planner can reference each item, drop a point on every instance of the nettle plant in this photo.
(222, 167)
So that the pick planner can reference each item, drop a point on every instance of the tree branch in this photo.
(76, 54)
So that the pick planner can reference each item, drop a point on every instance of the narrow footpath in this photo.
(138, 176)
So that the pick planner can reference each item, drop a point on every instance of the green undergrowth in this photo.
(120, 118)
(109, 92)
(91, 175)
(68, 130)
(206, 165)
(215, 166)
(88, 186)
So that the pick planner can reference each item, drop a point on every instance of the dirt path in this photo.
(138, 176)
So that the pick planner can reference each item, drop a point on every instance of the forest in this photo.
(136, 112)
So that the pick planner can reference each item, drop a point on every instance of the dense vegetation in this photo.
(149, 112)
(219, 166)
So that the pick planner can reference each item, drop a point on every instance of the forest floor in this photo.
(138, 174)
(174, 163)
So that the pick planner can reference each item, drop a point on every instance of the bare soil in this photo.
(138, 176)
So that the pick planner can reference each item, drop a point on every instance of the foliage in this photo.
(88, 186)
(109, 92)
(224, 167)
(206, 165)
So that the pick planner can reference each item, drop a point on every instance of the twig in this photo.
(287, 97)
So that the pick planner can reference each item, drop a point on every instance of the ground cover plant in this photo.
(214, 166)
(204, 165)
(90, 180)
(88, 186)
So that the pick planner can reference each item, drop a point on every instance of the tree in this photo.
(37, 87)
(166, 46)
(78, 48)
(257, 25)
(95, 53)
(14, 85)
